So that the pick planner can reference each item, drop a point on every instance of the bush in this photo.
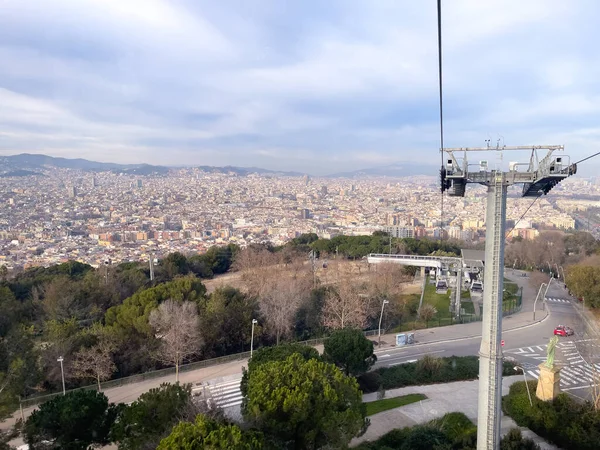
(426, 371)
(562, 421)
(453, 430)
(514, 440)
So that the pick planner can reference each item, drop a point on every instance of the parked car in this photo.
(563, 330)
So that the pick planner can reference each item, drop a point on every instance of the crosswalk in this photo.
(568, 353)
(225, 394)
(573, 377)
(557, 300)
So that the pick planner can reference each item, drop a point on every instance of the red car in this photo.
(563, 330)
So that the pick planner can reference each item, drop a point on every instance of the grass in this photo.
(468, 307)
(390, 403)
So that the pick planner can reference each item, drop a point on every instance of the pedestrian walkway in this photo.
(557, 300)
(461, 396)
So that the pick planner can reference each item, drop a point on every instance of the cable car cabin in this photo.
(441, 286)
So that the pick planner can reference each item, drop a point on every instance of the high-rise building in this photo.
(73, 191)
(140, 183)
(305, 213)
(400, 232)
(323, 190)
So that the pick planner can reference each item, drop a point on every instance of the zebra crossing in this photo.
(568, 353)
(572, 377)
(557, 300)
(224, 394)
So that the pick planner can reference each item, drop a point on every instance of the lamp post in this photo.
(526, 385)
(62, 373)
(557, 271)
(536, 298)
(254, 322)
(385, 302)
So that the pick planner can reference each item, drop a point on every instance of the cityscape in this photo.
(67, 214)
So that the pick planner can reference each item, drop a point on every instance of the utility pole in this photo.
(538, 178)
(151, 264)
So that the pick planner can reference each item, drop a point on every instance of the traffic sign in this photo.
(502, 342)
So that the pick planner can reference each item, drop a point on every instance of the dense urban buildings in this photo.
(91, 217)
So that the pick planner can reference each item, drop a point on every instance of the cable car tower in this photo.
(538, 177)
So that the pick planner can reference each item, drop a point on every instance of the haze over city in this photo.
(306, 86)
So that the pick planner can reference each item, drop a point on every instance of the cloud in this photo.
(325, 86)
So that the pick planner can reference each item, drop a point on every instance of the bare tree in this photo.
(427, 312)
(280, 300)
(95, 362)
(177, 327)
(346, 306)
(388, 279)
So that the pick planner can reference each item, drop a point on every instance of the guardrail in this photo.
(35, 400)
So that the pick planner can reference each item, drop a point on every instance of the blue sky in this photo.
(315, 86)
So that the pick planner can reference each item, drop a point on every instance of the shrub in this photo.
(514, 440)
(563, 421)
(426, 371)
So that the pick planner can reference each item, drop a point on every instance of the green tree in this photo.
(206, 433)
(133, 314)
(146, 421)
(175, 264)
(350, 350)
(305, 404)
(277, 353)
(10, 310)
(19, 371)
(227, 321)
(73, 421)
(584, 281)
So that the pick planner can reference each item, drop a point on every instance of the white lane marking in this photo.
(384, 356)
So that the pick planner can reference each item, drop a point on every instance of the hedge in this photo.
(428, 370)
(562, 421)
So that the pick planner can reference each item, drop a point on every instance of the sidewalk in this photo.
(461, 396)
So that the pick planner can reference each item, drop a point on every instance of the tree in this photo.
(345, 307)
(132, 316)
(72, 421)
(206, 433)
(277, 353)
(96, 361)
(227, 321)
(350, 350)
(151, 417)
(584, 281)
(19, 371)
(178, 328)
(308, 404)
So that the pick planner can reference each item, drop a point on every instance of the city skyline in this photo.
(306, 87)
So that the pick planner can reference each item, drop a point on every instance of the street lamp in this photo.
(62, 373)
(385, 302)
(536, 298)
(254, 322)
(557, 271)
(526, 385)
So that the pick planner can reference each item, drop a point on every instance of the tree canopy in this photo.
(147, 420)
(305, 404)
(73, 421)
(350, 350)
(207, 433)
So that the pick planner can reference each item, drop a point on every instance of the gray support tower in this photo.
(538, 178)
(490, 352)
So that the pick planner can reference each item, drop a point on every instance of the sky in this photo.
(305, 85)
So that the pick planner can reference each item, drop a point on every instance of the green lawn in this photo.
(440, 301)
(468, 307)
(390, 403)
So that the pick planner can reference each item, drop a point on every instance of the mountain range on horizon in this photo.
(27, 164)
